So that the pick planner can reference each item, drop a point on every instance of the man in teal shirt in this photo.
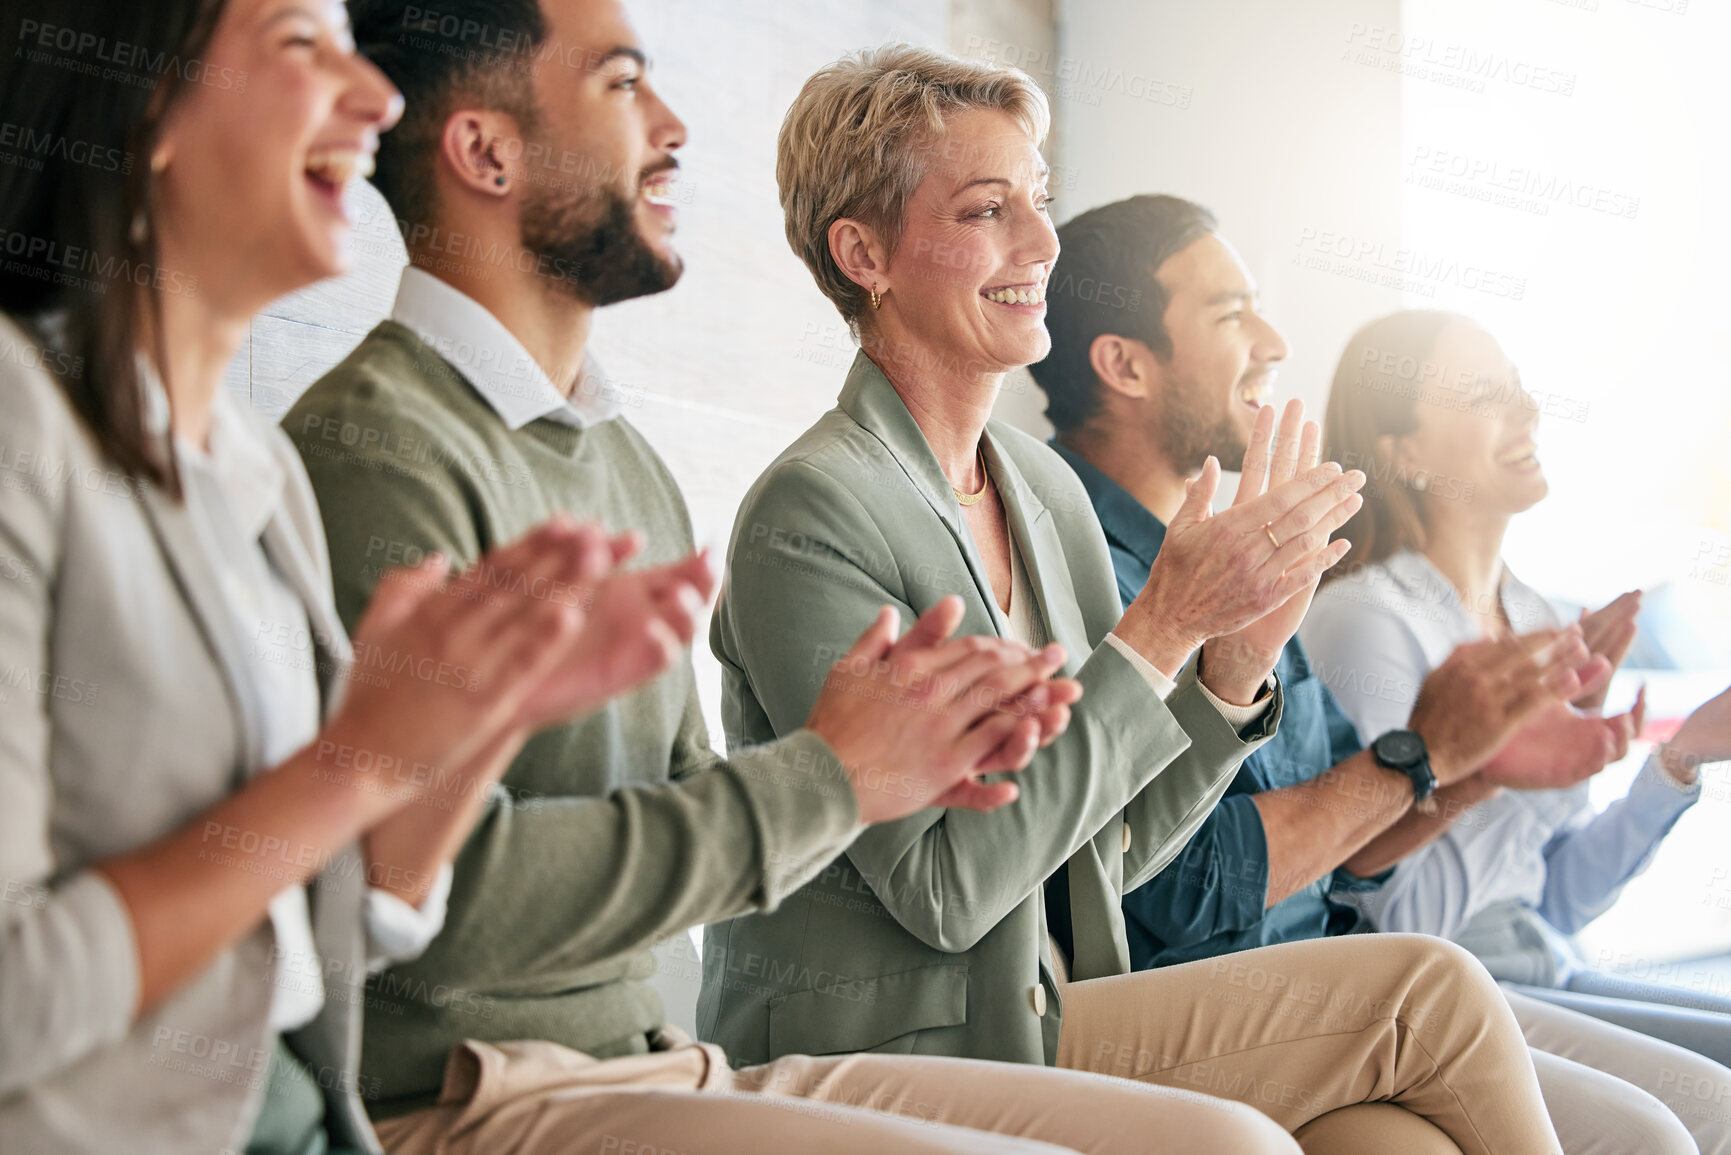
(1159, 360)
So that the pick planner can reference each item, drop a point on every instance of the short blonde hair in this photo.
(853, 144)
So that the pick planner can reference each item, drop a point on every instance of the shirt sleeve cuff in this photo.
(399, 932)
(1654, 788)
(1239, 717)
(1158, 682)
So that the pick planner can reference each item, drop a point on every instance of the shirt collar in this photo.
(1127, 522)
(479, 346)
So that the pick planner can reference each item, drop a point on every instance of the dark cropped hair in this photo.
(1105, 281)
(483, 50)
(1376, 392)
(78, 256)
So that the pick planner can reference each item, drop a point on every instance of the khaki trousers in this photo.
(536, 1098)
(1301, 1032)
(1304, 1028)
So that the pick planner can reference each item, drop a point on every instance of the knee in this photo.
(1239, 1128)
(1654, 1129)
(1446, 967)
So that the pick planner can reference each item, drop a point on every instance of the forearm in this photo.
(207, 884)
(949, 876)
(1149, 632)
(1314, 827)
(1416, 829)
(1587, 866)
(406, 851)
(561, 883)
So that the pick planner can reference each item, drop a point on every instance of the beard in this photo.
(590, 237)
(1196, 424)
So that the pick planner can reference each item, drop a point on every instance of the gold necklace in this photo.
(974, 498)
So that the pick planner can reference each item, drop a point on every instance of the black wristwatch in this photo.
(1404, 751)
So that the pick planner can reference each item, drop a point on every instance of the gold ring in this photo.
(1270, 533)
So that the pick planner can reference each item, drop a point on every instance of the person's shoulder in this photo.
(835, 452)
(36, 412)
(390, 395)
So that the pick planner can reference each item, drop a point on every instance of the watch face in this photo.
(1400, 747)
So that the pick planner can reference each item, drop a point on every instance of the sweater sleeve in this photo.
(946, 875)
(630, 868)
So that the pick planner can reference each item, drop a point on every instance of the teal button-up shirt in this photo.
(1211, 900)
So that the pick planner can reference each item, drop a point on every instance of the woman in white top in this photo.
(1429, 406)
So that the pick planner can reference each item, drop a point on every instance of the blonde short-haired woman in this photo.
(915, 193)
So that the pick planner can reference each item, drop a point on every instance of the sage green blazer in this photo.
(930, 934)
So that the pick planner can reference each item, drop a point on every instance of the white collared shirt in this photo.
(232, 492)
(492, 359)
(1373, 637)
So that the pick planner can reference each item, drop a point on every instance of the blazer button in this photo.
(1126, 838)
(1039, 996)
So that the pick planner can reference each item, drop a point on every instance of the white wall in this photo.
(1247, 107)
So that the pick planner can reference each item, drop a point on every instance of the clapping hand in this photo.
(1239, 663)
(1609, 632)
(916, 722)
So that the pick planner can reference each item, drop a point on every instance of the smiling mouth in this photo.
(660, 189)
(332, 168)
(1257, 391)
(1016, 295)
(1525, 454)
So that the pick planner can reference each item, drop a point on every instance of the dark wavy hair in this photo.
(86, 89)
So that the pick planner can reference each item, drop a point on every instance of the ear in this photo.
(1396, 452)
(1125, 366)
(475, 145)
(860, 254)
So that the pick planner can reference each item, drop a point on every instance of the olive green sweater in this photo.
(568, 879)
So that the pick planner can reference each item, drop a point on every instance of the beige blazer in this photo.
(123, 714)
(930, 934)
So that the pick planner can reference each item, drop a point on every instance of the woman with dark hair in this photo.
(216, 818)
(1431, 408)
(166, 623)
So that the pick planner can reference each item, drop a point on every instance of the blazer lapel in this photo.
(202, 588)
(289, 555)
(1042, 556)
(870, 399)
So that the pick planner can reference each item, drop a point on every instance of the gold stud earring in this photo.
(876, 298)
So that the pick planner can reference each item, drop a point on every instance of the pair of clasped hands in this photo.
(916, 721)
(1567, 738)
(553, 625)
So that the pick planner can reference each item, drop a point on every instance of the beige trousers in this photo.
(536, 1098)
(1611, 1090)
(1305, 1028)
(1301, 1032)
